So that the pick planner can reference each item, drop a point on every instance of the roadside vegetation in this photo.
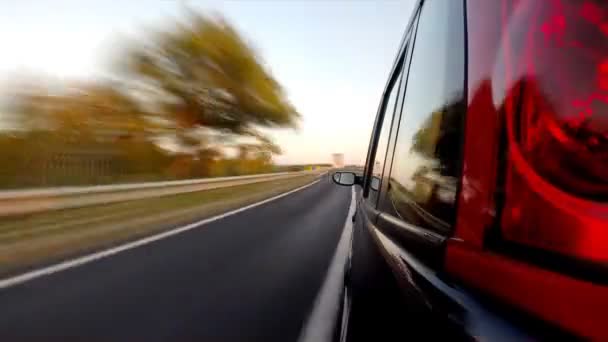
(36, 239)
(188, 99)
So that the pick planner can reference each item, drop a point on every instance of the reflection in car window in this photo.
(385, 130)
(427, 160)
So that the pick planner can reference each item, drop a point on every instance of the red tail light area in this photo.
(554, 64)
(562, 124)
(535, 160)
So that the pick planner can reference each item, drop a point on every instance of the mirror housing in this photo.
(346, 178)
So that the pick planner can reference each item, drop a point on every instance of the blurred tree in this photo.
(425, 139)
(213, 78)
(184, 98)
(86, 133)
(92, 110)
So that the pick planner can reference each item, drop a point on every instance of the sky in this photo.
(333, 58)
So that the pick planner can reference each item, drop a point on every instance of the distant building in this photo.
(338, 159)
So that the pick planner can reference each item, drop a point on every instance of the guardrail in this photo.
(29, 201)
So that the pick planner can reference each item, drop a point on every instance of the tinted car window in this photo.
(427, 160)
(384, 137)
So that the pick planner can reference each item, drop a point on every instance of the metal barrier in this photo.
(38, 200)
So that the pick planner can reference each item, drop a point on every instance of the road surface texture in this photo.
(250, 276)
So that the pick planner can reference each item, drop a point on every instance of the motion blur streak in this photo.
(250, 276)
(321, 323)
(109, 252)
(189, 102)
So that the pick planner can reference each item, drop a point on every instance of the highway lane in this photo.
(250, 276)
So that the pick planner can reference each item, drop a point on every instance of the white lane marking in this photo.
(18, 279)
(319, 327)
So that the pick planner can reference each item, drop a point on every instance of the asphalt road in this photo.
(250, 276)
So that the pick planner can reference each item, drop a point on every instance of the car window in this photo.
(385, 130)
(427, 160)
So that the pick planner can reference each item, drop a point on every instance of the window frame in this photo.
(390, 151)
(395, 90)
(380, 117)
(425, 235)
(396, 70)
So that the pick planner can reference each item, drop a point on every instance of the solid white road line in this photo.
(319, 327)
(12, 281)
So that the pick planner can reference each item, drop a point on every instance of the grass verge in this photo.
(32, 240)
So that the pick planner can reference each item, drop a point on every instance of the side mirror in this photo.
(344, 178)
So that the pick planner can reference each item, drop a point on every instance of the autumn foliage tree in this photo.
(211, 78)
(197, 84)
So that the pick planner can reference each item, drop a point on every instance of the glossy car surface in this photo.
(486, 182)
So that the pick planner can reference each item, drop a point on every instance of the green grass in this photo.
(29, 240)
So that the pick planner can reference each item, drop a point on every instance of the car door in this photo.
(370, 282)
(416, 204)
(408, 106)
